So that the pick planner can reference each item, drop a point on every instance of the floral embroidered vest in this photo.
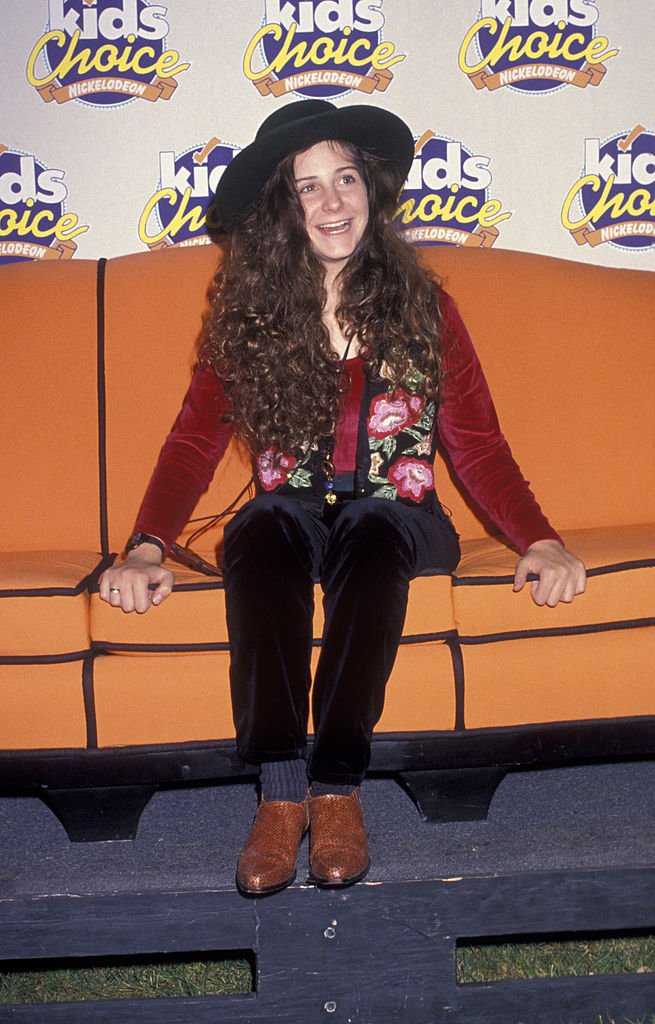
(396, 444)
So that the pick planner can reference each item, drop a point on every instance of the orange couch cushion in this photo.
(162, 699)
(154, 307)
(591, 659)
(569, 354)
(49, 497)
(620, 584)
(421, 692)
(194, 614)
(44, 602)
(159, 699)
(579, 677)
(43, 706)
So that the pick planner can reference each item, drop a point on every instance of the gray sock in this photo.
(330, 789)
(284, 780)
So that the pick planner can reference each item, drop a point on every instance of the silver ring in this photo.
(114, 590)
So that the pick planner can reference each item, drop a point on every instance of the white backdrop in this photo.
(119, 115)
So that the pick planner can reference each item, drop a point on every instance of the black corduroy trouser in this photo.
(363, 552)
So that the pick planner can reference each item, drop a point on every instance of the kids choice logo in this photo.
(104, 53)
(320, 48)
(614, 200)
(180, 211)
(446, 197)
(535, 45)
(33, 221)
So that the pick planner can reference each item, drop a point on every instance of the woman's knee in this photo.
(415, 539)
(368, 517)
(368, 533)
(269, 528)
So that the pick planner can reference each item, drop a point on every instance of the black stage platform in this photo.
(563, 850)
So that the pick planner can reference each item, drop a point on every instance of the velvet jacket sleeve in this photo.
(470, 433)
(188, 460)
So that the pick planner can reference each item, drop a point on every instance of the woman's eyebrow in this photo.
(337, 170)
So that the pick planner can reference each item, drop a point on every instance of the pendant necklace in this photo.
(327, 463)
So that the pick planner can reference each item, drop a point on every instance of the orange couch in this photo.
(97, 708)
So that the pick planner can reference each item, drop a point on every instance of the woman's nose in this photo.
(332, 199)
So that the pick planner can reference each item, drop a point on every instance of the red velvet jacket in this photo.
(397, 436)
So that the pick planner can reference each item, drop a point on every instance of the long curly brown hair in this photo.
(266, 338)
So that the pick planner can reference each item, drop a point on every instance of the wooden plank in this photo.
(557, 901)
(373, 954)
(214, 1010)
(392, 954)
(596, 1000)
(354, 954)
(125, 923)
(567, 1001)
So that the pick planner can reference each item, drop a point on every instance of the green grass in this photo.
(196, 976)
(125, 978)
(557, 958)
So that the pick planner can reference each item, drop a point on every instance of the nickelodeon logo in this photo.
(105, 53)
(33, 221)
(535, 45)
(180, 211)
(445, 200)
(615, 196)
(320, 48)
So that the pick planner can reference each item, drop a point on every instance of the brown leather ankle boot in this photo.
(268, 860)
(338, 852)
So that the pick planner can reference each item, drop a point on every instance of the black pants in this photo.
(364, 555)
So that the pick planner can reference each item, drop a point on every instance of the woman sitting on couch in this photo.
(339, 363)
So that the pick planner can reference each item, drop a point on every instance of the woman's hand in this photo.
(127, 584)
(561, 574)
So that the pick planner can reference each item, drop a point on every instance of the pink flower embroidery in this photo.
(411, 477)
(392, 413)
(273, 469)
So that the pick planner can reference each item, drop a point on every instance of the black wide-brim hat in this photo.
(296, 127)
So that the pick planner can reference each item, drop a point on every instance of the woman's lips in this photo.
(335, 227)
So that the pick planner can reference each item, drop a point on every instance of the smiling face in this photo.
(334, 200)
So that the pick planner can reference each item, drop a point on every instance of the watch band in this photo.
(144, 538)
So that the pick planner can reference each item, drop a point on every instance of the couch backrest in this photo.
(49, 482)
(154, 309)
(568, 350)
